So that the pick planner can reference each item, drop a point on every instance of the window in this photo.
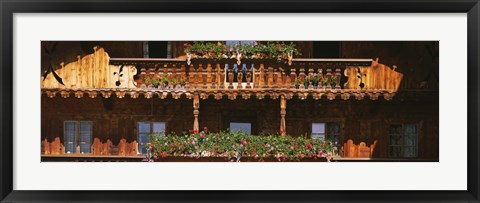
(403, 141)
(318, 130)
(77, 134)
(244, 127)
(145, 129)
(329, 131)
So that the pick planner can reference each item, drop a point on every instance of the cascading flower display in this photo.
(235, 145)
(255, 50)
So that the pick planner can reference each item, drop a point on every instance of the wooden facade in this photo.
(112, 93)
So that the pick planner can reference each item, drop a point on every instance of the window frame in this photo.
(78, 135)
(151, 124)
(418, 125)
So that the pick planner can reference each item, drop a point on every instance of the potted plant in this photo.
(307, 82)
(155, 82)
(165, 82)
(315, 82)
(297, 82)
(324, 82)
(333, 81)
(174, 83)
(148, 81)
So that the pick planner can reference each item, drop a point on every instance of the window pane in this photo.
(410, 139)
(320, 136)
(334, 133)
(410, 152)
(143, 139)
(70, 141)
(395, 151)
(143, 127)
(244, 127)
(85, 136)
(318, 128)
(159, 127)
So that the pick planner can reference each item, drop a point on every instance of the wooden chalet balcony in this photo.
(252, 78)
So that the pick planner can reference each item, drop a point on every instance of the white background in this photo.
(449, 173)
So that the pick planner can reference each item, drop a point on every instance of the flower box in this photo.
(225, 159)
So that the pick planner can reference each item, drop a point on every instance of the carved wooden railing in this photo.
(351, 150)
(98, 148)
(250, 74)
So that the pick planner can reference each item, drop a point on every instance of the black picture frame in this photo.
(10, 7)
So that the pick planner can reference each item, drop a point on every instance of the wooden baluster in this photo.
(203, 78)
(208, 76)
(293, 77)
(256, 76)
(261, 76)
(191, 77)
(279, 78)
(338, 75)
(240, 78)
(230, 77)
(213, 77)
(320, 79)
(286, 81)
(302, 78)
(310, 76)
(143, 75)
(248, 77)
(329, 76)
(270, 77)
(221, 76)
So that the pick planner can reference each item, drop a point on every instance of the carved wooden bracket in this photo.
(51, 94)
(149, 95)
(65, 94)
(331, 96)
(106, 94)
(359, 96)
(134, 95)
(120, 94)
(79, 94)
(345, 96)
(218, 96)
(246, 96)
(92, 94)
(260, 95)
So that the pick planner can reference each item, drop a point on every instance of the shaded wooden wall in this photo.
(361, 120)
(417, 60)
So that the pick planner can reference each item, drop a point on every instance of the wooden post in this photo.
(283, 111)
(196, 106)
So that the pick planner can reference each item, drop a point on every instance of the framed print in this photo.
(239, 101)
